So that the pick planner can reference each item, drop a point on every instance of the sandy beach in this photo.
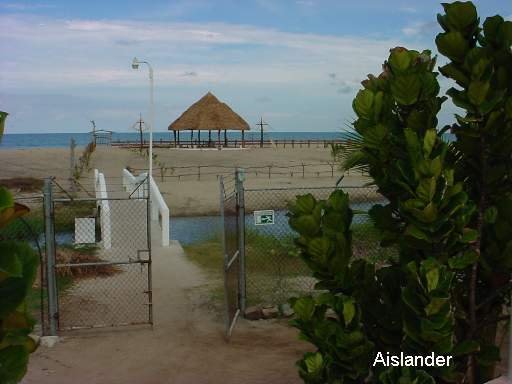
(187, 178)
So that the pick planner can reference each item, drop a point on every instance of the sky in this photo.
(296, 63)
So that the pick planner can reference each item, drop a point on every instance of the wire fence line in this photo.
(199, 172)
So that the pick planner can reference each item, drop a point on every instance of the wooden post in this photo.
(179, 139)
(198, 172)
(243, 140)
(309, 143)
(209, 138)
(293, 143)
(302, 170)
(225, 137)
(199, 138)
(191, 137)
(269, 168)
(72, 164)
(174, 138)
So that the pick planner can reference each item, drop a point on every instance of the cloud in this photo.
(232, 52)
(189, 74)
(420, 28)
(306, 3)
(342, 86)
(263, 99)
(408, 9)
(94, 57)
(20, 7)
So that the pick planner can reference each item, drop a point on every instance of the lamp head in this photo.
(135, 63)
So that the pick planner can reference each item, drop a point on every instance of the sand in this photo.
(196, 190)
(186, 344)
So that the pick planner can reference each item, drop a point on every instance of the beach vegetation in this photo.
(18, 269)
(448, 213)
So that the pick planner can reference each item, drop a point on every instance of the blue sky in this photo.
(297, 63)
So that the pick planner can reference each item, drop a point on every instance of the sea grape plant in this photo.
(447, 212)
(18, 268)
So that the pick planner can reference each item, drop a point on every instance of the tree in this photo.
(448, 214)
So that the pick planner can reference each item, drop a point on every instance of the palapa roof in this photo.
(209, 114)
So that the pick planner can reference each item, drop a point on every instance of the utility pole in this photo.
(140, 130)
(93, 131)
(261, 124)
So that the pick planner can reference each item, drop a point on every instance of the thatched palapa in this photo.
(208, 114)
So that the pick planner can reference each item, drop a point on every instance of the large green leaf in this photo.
(406, 89)
(477, 91)
(463, 260)
(460, 15)
(13, 364)
(304, 308)
(452, 45)
(363, 104)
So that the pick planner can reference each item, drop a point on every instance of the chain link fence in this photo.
(273, 269)
(102, 257)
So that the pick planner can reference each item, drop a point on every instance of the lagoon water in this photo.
(189, 230)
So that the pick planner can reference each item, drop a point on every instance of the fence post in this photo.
(50, 256)
(72, 165)
(240, 175)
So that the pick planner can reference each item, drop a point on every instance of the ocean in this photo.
(32, 140)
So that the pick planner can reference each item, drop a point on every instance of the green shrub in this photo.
(18, 268)
(448, 214)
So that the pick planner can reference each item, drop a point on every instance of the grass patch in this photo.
(23, 184)
(275, 271)
(31, 225)
(366, 244)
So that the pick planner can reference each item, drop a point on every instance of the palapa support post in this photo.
(218, 139)
(209, 138)
(174, 138)
(179, 145)
(199, 138)
(243, 139)
(225, 137)
(191, 137)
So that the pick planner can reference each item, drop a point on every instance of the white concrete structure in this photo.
(159, 209)
(100, 188)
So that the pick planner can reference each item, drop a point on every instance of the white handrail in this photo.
(100, 188)
(159, 208)
(132, 183)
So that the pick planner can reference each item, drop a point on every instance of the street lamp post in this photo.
(135, 65)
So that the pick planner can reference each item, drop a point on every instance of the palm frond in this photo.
(348, 154)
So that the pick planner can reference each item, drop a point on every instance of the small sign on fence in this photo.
(264, 217)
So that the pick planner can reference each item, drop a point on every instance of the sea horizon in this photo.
(62, 139)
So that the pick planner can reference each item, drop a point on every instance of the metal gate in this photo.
(232, 219)
(98, 261)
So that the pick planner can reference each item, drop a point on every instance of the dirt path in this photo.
(185, 346)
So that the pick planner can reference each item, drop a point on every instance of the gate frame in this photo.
(51, 266)
(229, 323)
